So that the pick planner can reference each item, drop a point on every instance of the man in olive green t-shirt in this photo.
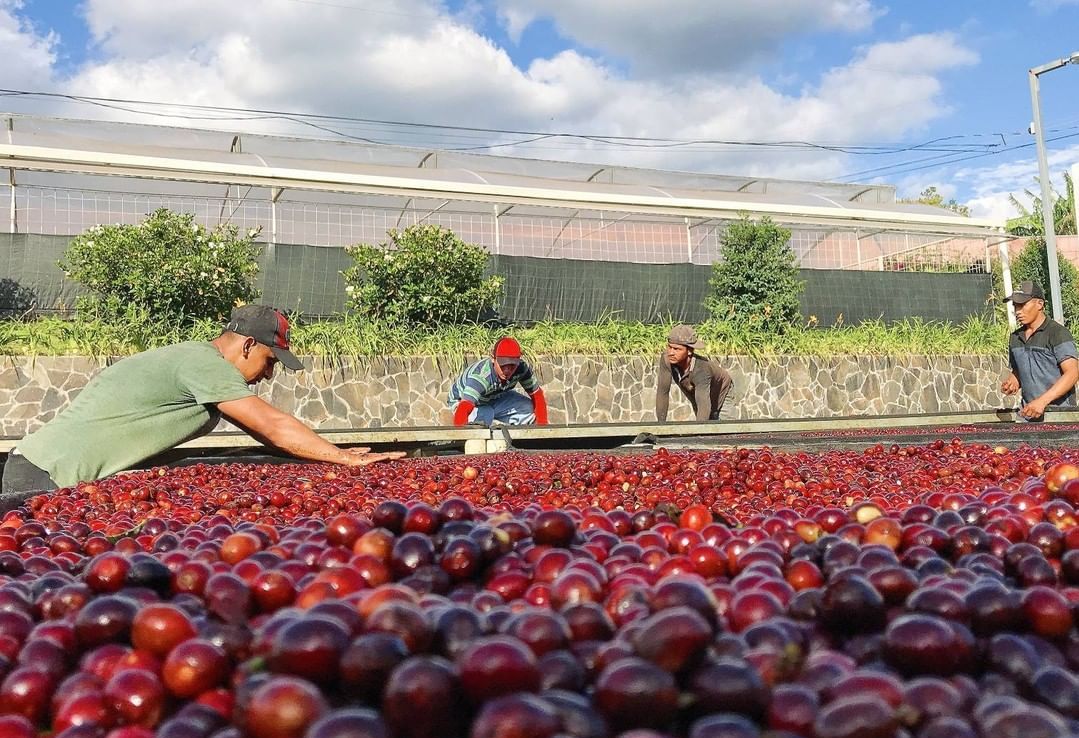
(151, 402)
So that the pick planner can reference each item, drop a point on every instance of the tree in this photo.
(1033, 263)
(930, 196)
(1029, 222)
(756, 280)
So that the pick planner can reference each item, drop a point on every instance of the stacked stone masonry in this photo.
(371, 393)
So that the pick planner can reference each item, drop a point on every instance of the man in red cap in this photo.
(483, 393)
(148, 403)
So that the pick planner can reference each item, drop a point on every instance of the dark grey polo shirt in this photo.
(1036, 360)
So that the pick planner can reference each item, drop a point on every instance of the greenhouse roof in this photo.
(191, 155)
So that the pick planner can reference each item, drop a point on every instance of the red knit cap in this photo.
(507, 348)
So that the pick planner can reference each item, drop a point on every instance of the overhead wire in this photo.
(904, 168)
(224, 113)
(945, 150)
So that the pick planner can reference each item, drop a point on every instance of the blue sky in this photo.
(841, 73)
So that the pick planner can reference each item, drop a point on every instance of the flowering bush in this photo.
(168, 267)
(424, 275)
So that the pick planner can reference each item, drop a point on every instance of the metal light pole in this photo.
(1043, 175)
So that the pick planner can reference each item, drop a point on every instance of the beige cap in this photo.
(683, 335)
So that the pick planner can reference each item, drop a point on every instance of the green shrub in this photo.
(168, 267)
(1033, 263)
(424, 276)
(755, 283)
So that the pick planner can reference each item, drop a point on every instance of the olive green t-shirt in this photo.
(135, 409)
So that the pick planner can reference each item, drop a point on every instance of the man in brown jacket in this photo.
(702, 380)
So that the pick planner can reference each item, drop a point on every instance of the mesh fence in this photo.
(529, 231)
(5, 202)
(49, 211)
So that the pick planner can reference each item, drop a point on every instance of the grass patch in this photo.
(353, 336)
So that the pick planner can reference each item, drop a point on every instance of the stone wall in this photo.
(579, 389)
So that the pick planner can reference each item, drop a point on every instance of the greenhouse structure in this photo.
(573, 240)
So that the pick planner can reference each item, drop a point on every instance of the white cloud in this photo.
(413, 63)
(28, 56)
(992, 185)
(419, 64)
(1048, 6)
(687, 36)
(995, 205)
(890, 89)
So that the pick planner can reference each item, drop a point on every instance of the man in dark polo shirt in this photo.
(703, 381)
(1042, 356)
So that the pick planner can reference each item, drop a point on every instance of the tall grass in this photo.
(353, 336)
(871, 338)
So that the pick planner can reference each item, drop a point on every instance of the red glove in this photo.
(539, 407)
(462, 411)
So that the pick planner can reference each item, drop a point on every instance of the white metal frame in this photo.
(408, 182)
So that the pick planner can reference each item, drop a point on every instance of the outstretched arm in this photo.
(284, 432)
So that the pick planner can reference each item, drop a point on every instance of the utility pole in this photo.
(1043, 175)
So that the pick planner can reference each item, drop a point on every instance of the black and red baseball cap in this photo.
(267, 326)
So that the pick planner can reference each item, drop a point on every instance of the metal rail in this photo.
(479, 439)
(346, 437)
(766, 426)
(484, 440)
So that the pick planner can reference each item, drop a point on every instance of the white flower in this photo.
(203, 274)
(350, 289)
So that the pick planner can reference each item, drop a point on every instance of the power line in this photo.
(904, 168)
(946, 150)
(948, 144)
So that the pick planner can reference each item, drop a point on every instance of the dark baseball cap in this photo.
(267, 326)
(1027, 290)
